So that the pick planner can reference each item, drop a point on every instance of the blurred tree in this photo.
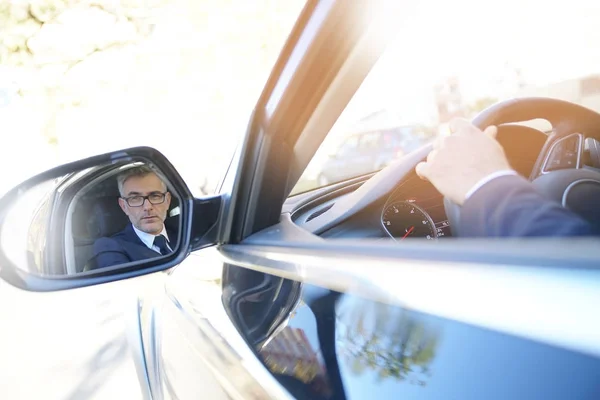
(22, 22)
(42, 40)
(106, 74)
(390, 342)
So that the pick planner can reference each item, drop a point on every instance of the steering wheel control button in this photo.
(564, 154)
(592, 151)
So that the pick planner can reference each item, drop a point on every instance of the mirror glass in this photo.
(93, 219)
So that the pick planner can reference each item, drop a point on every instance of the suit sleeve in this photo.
(108, 252)
(509, 206)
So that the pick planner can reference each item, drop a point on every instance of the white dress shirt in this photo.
(148, 238)
(487, 179)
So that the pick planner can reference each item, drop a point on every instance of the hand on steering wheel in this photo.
(459, 161)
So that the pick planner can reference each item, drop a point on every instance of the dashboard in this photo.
(412, 209)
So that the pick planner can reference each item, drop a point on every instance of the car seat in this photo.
(95, 218)
(98, 217)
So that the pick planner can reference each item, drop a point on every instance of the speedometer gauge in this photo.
(403, 220)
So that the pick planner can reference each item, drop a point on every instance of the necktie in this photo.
(161, 242)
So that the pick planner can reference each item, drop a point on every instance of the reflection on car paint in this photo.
(387, 340)
(338, 346)
(290, 353)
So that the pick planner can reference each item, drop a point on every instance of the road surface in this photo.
(67, 345)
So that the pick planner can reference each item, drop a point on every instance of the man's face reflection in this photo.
(147, 217)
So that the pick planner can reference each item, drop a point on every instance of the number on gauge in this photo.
(404, 220)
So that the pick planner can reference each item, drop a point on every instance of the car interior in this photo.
(389, 204)
(96, 213)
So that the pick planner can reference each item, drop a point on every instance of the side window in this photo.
(348, 146)
(418, 99)
(392, 139)
(370, 141)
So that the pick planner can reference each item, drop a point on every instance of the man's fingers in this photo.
(422, 170)
(491, 131)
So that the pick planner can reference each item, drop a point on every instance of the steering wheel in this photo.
(569, 187)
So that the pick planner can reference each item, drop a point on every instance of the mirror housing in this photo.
(38, 219)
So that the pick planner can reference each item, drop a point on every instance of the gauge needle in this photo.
(408, 232)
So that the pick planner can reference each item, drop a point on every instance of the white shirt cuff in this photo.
(487, 179)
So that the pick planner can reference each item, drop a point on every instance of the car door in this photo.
(344, 340)
(337, 320)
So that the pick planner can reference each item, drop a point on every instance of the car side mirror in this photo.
(104, 218)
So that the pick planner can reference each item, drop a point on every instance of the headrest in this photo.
(106, 217)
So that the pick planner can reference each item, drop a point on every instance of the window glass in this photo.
(448, 62)
(349, 145)
(370, 141)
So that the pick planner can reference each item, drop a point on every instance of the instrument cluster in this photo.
(415, 210)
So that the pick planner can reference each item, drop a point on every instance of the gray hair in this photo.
(139, 171)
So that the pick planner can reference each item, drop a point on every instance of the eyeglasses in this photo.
(138, 201)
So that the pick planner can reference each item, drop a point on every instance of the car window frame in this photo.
(262, 176)
(263, 244)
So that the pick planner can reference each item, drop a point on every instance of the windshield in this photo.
(454, 59)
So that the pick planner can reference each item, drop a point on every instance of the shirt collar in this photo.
(148, 238)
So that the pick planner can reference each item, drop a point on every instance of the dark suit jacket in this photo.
(510, 206)
(121, 248)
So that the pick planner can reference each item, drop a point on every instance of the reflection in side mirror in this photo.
(113, 216)
(94, 219)
(130, 214)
